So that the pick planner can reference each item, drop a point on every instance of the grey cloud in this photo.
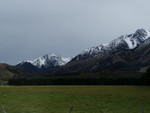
(30, 28)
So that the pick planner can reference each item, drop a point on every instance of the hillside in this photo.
(7, 72)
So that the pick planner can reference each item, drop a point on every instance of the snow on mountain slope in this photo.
(123, 42)
(48, 60)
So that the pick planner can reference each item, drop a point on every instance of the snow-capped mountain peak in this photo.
(48, 60)
(130, 41)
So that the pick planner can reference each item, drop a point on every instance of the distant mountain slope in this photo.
(4, 70)
(44, 63)
(7, 72)
(128, 52)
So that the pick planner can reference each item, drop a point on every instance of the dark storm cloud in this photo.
(31, 28)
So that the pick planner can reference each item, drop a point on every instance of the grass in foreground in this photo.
(83, 99)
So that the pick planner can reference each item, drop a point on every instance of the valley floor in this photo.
(78, 99)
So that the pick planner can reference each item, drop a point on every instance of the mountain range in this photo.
(126, 53)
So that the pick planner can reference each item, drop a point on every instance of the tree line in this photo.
(76, 81)
(144, 80)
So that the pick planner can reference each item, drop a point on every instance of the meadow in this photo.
(75, 99)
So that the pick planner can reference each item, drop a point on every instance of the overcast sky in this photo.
(31, 28)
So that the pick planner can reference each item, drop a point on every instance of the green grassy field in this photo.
(83, 99)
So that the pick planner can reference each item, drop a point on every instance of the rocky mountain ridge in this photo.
(128, 52)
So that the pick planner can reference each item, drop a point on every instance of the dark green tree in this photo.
(146, 77)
